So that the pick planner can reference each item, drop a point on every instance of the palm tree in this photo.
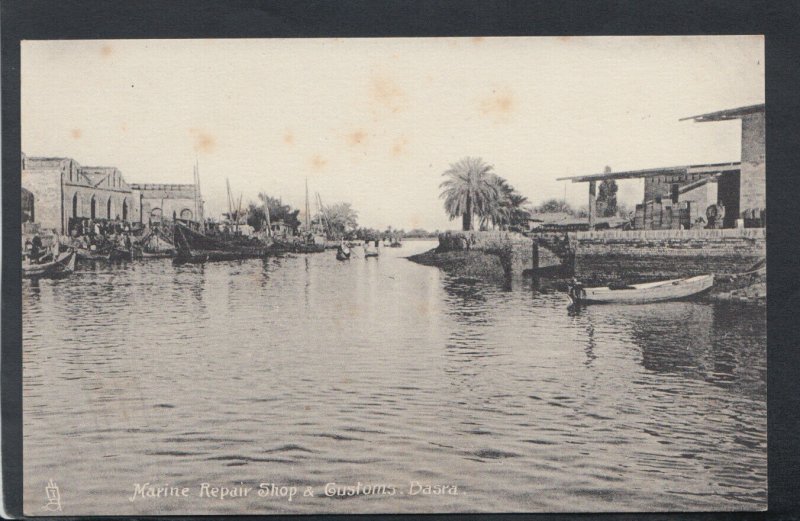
(468, 190)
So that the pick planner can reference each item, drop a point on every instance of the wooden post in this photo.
(592, 203)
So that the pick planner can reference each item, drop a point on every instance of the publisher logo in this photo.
(53, 497)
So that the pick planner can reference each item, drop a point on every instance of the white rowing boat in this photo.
(643, 293)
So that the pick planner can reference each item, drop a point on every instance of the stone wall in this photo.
(649, 255)
(517, 252)
(170, 199)
(753, 183)
(45, 185)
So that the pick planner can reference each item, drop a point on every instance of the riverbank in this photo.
(601, 258)
(465, 263)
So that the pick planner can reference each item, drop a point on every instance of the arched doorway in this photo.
(75, 206)
(108, 208)
(186, 214)
(125, 209)
(93, 208)
(28, 214)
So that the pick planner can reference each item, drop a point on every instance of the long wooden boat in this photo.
(120, 254)
(308, 248)
(84, 254)
(142, 254)
(61, 267)
(195, 247)
(643, 293)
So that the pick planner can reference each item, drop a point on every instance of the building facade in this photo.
(60, 190)
(168, 202)
(723, 195)
(753, 181)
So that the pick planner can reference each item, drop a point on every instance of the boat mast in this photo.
(308, 209)
(198, 198)
(230, 199)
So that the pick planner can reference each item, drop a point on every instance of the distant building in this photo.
(721, 195)
(58, 191)
(167, 202)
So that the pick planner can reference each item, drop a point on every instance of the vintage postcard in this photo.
(393, 275)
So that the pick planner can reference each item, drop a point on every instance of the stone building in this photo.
(681, 196)
(753, 179)
(166, 202)
(57, 190)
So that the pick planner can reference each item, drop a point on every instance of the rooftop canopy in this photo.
(653, 172)
(722, 115)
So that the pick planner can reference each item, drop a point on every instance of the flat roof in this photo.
(722, 115)
(653, 172)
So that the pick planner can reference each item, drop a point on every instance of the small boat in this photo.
(342, 253)
(308, 247)
(85, 254)
(642, 293)
(120, 254)
(61, 267)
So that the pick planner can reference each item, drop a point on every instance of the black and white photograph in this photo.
(393, 275)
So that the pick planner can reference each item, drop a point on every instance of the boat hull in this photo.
(61, 267)
(649, 292)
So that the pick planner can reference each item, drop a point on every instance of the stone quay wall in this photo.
(518, 253)
(649, 255)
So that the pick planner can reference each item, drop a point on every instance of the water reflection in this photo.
(303, 368)
(724, 345)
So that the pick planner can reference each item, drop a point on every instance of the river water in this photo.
(302, 371)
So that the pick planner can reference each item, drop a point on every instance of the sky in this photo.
(375, 122)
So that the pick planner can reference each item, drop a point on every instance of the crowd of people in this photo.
(94, 235)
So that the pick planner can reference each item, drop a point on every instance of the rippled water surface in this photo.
(303, 371)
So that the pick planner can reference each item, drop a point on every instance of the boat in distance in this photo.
(61, 267)
(643, 293)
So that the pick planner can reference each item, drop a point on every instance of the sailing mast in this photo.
(194, 179)
(308, 209)
(198, 198)
(230, 199)
(326, 223)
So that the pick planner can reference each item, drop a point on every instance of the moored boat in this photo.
(642, 293)
(61, 267)
(85, 254)
(195, 247)
(120, 254)
(342, 253)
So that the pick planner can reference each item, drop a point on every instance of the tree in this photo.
(555, 205)
(607, 196)
(468, 190)
(278, 211)
(339, 219)
(506, 208)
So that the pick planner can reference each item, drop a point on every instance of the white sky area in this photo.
(375, 122)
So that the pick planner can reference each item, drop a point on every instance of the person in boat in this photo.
(36, 248)
(55, 248)
(26, 249)
(576, 291)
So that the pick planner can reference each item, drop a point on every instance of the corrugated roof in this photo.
(652, 172)
(722, 115)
